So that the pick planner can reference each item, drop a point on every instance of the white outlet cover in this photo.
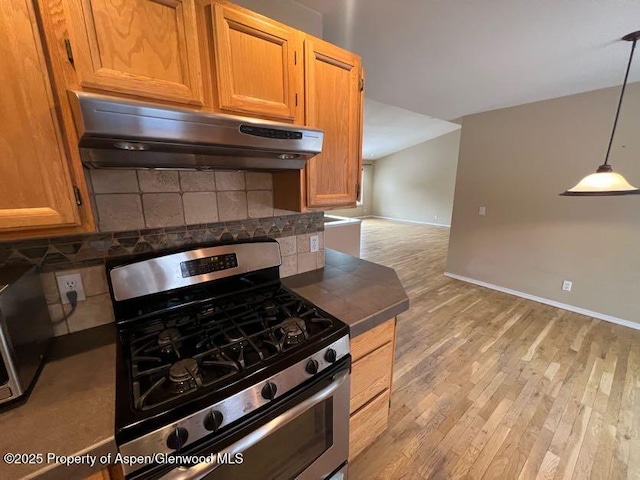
(314, 243)
(567, 285)
(482, 211)
(67, 283)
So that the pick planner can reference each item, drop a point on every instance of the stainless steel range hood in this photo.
(121, 133)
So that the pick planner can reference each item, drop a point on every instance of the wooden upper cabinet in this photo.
(333, 103)
(255, 63)
(146, 48)
(35, 185)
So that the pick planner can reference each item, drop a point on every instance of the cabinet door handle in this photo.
(76, 193)
(67, 47)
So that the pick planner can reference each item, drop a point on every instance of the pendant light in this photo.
(605, 181)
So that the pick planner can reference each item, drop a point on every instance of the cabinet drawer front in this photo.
(147, 48)
(368, 423)
(375, 338)
(371, 375)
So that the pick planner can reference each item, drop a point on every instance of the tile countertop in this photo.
(360, 293)
(71, 408)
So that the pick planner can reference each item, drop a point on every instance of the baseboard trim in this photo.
(546, 301)
(402, 220)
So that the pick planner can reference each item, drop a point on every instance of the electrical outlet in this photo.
(482, 211)
(314, 243)
(566, 285)
(435, 217)
(69, 283)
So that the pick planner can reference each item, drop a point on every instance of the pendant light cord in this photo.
(624, 86)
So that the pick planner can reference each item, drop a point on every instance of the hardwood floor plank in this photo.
(548, 468)
(488, 385)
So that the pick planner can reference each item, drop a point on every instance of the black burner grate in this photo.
(178, 354)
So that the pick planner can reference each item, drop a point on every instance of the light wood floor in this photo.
(491, 386)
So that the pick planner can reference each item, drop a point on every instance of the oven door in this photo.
(306, 437)
(5, 389)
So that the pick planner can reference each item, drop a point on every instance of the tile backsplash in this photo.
(64, 253)
(139, 211)
(96, 309)
(134, 199)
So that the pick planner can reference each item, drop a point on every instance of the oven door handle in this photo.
(201, 469)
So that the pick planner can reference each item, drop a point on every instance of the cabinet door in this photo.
(256, 69)
(35, 186)
(332, 103)
(147, 48)
(368, 423)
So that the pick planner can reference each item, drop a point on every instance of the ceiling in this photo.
(388, 129)
(449, 58)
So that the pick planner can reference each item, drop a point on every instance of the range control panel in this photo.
(205, 265)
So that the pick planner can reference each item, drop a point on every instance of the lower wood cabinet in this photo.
(368, 423)
(113, 472)
(371, 377)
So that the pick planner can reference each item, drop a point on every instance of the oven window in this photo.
(4, 377)
(287, 451)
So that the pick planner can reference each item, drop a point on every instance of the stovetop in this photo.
(208, 339)
(210, 346)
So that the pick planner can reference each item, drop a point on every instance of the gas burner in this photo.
(294, 330)
(270, 308)
(206, 345)
(236, 338)
(169, 340)
(184, 375)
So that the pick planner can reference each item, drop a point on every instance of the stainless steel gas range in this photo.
(222, 373)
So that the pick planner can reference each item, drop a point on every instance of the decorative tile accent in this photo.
(230, 181)
(158, 181)
(80, 251)
(161, 209)
(119, 212)
(200, 207)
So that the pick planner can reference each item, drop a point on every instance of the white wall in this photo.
(418, 183)
(515, 162)
(289, 12)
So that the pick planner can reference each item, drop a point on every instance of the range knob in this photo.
(177, 438)
(213, 420)
(312, 367)
(269, 391)
(331, 355)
